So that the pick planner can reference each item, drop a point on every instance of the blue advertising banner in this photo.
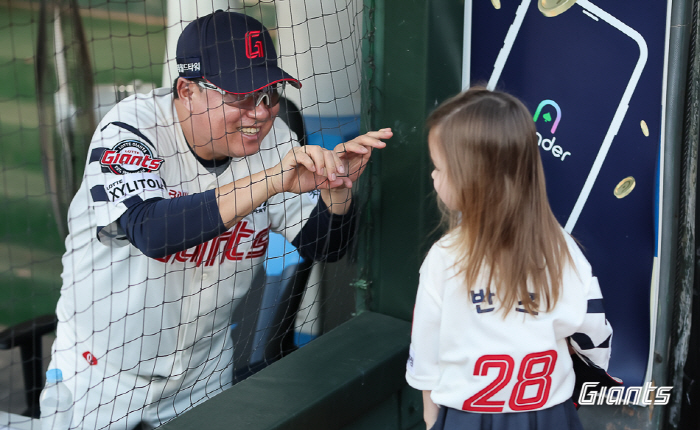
(593, 79)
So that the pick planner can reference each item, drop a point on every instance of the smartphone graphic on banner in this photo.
(575, 131)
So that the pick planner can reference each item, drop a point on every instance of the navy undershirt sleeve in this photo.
(326, 237)
(161, 227)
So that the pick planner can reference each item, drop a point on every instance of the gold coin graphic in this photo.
(625, 187)
(554, 7)
(645, 128)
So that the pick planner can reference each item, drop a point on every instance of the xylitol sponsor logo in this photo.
(549, 144)
(133, 184)
(646, 395)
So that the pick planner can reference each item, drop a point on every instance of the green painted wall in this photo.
(413, 61)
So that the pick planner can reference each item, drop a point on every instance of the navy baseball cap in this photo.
(232, 51)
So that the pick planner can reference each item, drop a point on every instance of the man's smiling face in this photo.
(221, 130)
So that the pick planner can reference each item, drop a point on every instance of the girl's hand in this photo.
(355, 154)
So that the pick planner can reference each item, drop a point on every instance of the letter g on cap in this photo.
(253, 48)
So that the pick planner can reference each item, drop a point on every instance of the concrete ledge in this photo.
(325, 385)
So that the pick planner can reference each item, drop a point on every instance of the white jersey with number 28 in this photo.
(474, 359)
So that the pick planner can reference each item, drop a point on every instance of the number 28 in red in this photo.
(527, 377)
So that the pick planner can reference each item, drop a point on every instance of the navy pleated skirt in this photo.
(560, 417)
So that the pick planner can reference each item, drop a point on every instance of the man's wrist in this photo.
(273, 178)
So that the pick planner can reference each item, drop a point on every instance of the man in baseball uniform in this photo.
(169, 229)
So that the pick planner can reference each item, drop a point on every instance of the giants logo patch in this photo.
(130, 156)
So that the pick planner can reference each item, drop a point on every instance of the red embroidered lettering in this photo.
(214, 248)
(87, 355)
(260, 242)
(535, 371)
(253, 49)
(130, 156)
(146, 162)
(229, 242)
(155, 164)
(199, 252)
(481, 401)
(176, 193)
(184, 256)
(232, 244)
(109, 157)
(208, 252)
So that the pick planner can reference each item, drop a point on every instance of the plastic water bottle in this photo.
(56, 402)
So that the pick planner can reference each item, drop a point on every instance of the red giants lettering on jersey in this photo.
(225, 247)
(130, 156)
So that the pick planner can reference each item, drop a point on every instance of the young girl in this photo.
(505, 288)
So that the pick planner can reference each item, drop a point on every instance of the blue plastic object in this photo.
(53, 376)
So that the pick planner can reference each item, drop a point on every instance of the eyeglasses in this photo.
(248, 101)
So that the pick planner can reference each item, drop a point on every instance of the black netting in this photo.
(165, 216)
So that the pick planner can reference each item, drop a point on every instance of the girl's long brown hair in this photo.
(502, 222)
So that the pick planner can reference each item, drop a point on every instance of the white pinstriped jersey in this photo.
(150, 338)
(471, 358)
